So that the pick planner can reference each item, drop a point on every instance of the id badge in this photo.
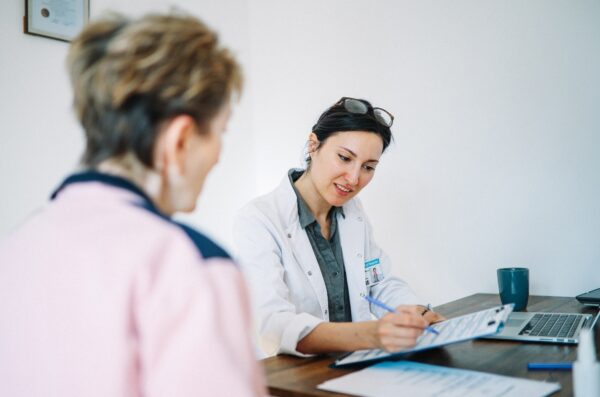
(373, 272)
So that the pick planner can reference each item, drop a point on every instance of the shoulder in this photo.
(204, 246)
(279, 205)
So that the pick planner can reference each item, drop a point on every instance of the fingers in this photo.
(407, 319)
(396, 331)
(413, 309)
(434, 317)
(393, 345)
(430, 316)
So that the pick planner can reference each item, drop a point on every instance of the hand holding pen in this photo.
(392, 310)
(401, 328)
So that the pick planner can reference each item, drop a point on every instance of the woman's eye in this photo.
(343, 158)
(369, 168)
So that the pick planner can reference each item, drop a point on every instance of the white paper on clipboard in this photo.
(458, 329)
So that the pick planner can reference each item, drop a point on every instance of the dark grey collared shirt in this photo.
(328, 253)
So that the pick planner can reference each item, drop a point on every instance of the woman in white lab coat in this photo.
(308, 252)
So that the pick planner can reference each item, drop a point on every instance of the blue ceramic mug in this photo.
(513, 285)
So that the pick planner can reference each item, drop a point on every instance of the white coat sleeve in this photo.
(392, 290)
(258, 251)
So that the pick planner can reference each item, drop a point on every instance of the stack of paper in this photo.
(406, 378)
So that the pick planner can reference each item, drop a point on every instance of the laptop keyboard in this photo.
(554, 325)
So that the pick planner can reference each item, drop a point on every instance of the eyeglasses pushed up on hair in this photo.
(358, 106)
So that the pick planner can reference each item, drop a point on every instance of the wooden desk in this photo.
(289, 376)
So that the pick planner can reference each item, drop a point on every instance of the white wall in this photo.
(497, 128)
(496, 125)
(41, 140)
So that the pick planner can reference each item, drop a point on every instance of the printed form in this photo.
(407, 378)
(458, 329)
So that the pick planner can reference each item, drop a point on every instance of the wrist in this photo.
(372, 335)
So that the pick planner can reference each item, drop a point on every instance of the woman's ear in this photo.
(173, 140)
(313, 142)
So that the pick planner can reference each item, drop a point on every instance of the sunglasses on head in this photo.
(358, 106)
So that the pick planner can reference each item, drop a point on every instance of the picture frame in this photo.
(56, 19)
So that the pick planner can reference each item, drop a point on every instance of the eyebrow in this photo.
(354, 154)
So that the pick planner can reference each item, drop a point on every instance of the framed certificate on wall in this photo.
(56, 19)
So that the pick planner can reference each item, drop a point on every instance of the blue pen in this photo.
(391, 310)
(550, 366)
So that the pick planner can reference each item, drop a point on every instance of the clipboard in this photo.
(458, 329)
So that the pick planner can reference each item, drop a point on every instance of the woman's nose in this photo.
(352, 176)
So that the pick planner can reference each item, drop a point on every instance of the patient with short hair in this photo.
(101, 292)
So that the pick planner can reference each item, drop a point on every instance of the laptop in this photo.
(562, 328)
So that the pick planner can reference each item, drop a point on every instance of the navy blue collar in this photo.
(112, 180)
(206, 247)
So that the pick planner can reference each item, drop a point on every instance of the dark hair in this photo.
(130, 76)
(337, 119)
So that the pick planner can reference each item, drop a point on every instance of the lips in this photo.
(342, 190)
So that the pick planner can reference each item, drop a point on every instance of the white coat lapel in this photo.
(305, 256)
(300, 245)
(352, 237)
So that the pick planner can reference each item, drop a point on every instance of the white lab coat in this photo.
(287, 288)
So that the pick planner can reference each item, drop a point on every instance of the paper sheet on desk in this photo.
(407, 378)
(458, 329)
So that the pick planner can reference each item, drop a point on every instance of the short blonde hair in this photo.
(129, 76)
